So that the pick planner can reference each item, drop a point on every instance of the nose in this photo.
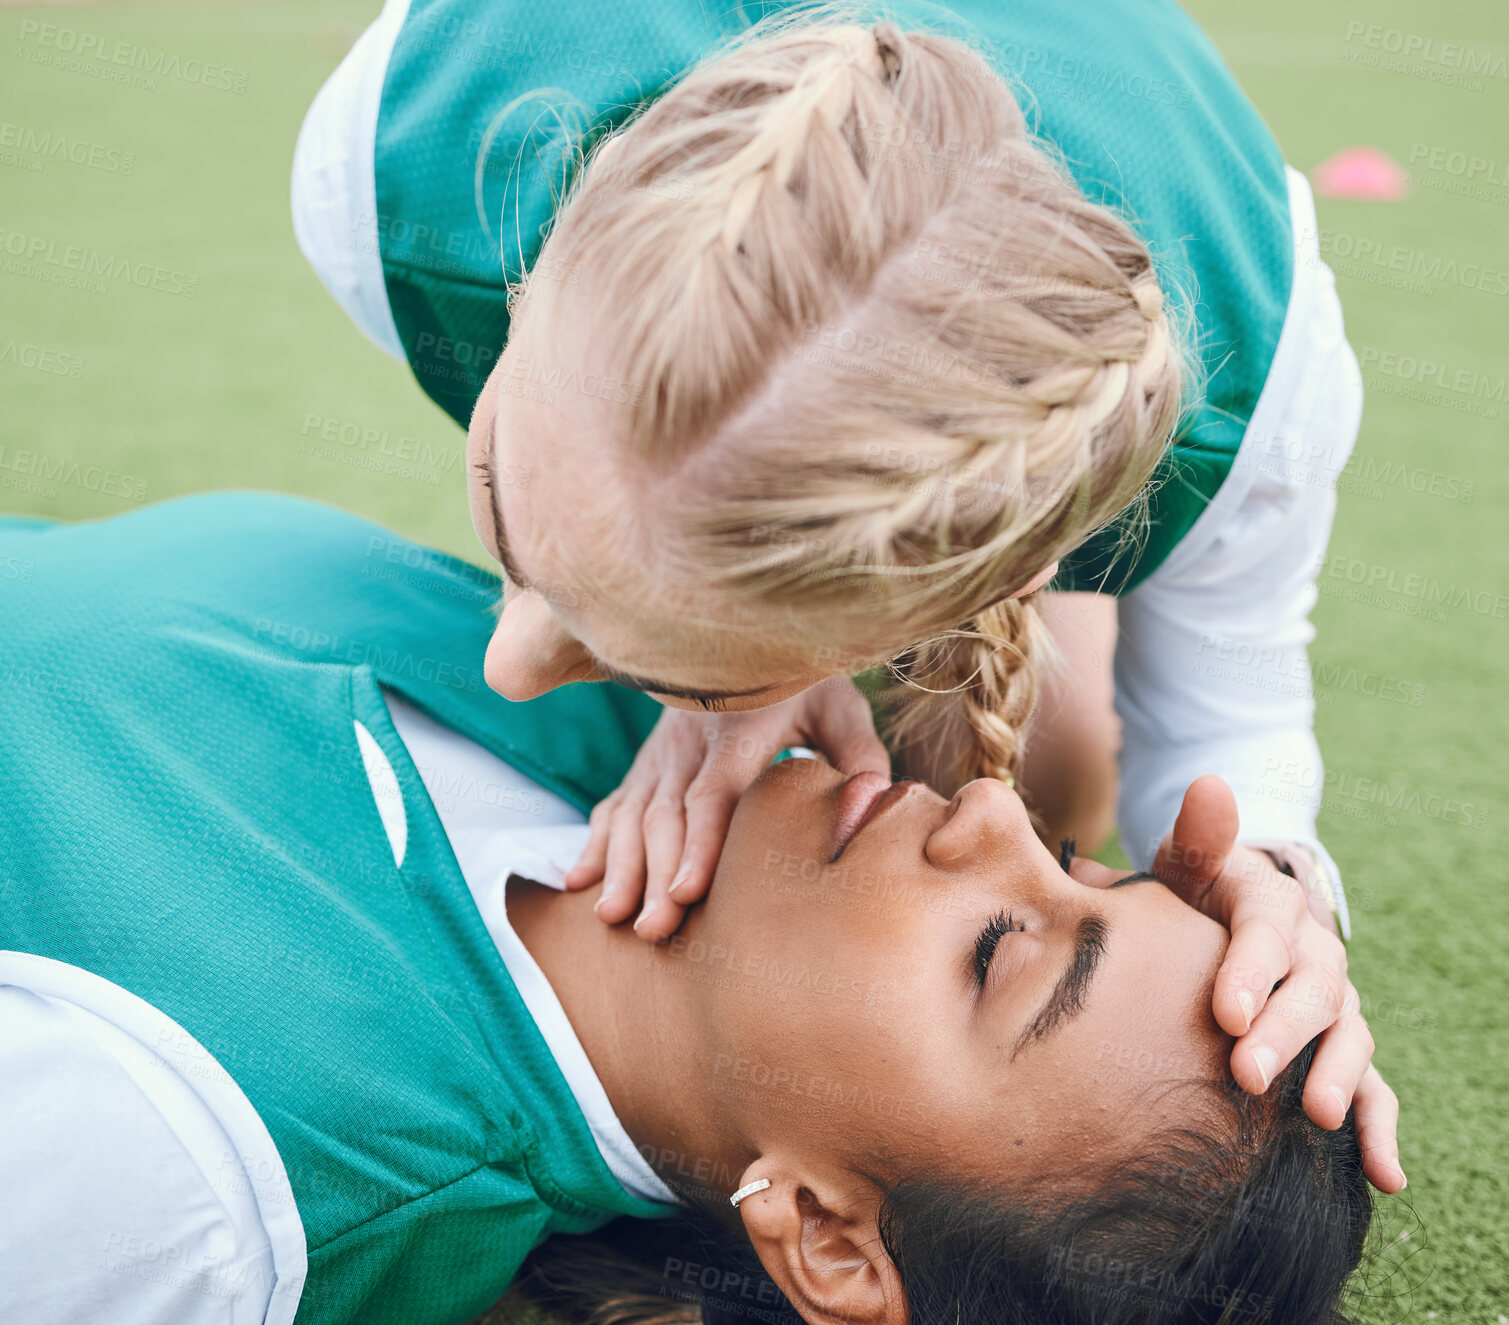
(531, 653)
(986, 819)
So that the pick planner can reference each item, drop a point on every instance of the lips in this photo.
(863, 798)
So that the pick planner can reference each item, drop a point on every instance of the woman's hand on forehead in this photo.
(655, 842)
(1284, 979)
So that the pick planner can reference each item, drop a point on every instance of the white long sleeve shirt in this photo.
(1212, 669)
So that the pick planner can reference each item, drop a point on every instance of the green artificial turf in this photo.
(155, 393)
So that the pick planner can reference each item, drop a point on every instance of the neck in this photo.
(637, 1017)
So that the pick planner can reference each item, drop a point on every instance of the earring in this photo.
(750, 1190)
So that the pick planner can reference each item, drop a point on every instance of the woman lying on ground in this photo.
(289, 1029)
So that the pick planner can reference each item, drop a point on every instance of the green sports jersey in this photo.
(184, 812)
(481, 99)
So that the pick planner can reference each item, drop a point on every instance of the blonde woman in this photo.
(842, 340)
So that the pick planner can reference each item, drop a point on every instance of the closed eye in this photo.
(996, 928)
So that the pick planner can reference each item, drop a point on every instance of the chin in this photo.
(799, 776)
(783, 805)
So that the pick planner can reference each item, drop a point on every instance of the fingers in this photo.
(664, 828)
(1284, 980)
(1312, 998)
(655, 842)
(1191, 858)
(1269, 922)
(634, 835)
(623, 873)
(1375, 1110)
(594, 858)
(843, 728)
(1342, 1060)
(710, 806)
(1257, 958)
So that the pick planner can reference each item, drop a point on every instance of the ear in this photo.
(816, 1233)
(1037, 582)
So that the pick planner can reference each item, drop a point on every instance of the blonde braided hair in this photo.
(981, 681)
(889, 361)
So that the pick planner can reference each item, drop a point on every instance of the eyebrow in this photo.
(1142, 876)
(626, 679)
(1068, 996)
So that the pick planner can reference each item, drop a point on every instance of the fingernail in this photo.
(1339, 1096)
(1403, 1181)
(1248, 1004)
(643, 916)
(680, 879)
(1266, 1061)
(597, 906)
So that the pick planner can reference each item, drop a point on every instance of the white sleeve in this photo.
(1212, 674)
(124, 1197)
(334, 189)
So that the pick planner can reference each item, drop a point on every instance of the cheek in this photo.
(828, 1038)
(872, 998)
(846, 1015)
(892, 1062)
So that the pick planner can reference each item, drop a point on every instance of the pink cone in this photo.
(1361, 172)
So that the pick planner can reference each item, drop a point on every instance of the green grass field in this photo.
(156, 394)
